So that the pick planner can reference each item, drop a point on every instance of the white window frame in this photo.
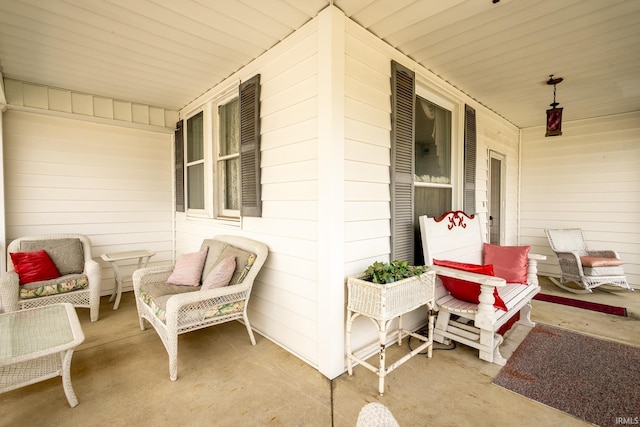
(456, 107)
(191, 211)
(219, 187)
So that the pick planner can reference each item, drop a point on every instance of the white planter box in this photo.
(388, 301)
(384, 303)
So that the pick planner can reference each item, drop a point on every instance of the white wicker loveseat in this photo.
(78, 283)
(176, 309)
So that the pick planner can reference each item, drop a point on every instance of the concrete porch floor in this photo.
(120, 375)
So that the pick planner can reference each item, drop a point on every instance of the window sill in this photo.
(231, 222)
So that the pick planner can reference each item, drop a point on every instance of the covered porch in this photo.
(120, 377)
(92, 152)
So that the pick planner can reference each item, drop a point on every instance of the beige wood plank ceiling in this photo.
(166, 53)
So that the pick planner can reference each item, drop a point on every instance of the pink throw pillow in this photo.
(509, 262)
(220, 275)
(34, 266)
(188, 269)
(465, 290)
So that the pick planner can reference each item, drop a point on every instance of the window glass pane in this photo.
(433, 143)
(195, 186)
(232, 180)
(229, 130)
(195, 146)
(430, 201)
(229, 158)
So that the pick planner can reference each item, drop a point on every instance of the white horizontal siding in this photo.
(113, 184)
(284, 301)
(587, 178)
(503, 138)
(367, 151)
(367, 160)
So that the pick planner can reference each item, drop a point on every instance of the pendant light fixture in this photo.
(554, 114)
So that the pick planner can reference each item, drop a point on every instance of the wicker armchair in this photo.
(173, 310)
(586, 268)
(71, 253)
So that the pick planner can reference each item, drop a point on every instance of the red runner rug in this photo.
(587, 305)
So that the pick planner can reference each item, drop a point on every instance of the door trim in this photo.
(501, 202)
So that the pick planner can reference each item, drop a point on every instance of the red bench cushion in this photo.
(465, 290)
(592, 261)
(34, 266)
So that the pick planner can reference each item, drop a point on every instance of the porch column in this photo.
(331, 238)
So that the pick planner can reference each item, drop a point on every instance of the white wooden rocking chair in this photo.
(586, 268)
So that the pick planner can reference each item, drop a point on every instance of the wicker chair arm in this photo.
(92, 270)
(9, 291)
(176, 302)
(571, 262)
(186, 305)
(151, 275)
(604, 254)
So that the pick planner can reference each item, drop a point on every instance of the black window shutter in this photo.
(469, 203)
(251, 204)
(179, 166)
(402, 162)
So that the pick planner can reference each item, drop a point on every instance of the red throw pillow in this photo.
(509, 262)
(34, 266)
(465, 290)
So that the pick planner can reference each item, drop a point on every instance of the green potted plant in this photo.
(390, 272)
(386, 290)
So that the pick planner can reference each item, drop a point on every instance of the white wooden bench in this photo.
(458, 237)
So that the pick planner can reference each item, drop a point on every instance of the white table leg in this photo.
(66, 379)
(117, 293)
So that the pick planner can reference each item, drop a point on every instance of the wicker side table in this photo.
(382, 304)
(143, 259)
(37, 344)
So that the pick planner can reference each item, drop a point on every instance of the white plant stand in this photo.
(382, 304)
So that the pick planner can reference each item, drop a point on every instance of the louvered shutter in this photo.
(179, 166)
(402, 162)
(250, 147)
(469, 203)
